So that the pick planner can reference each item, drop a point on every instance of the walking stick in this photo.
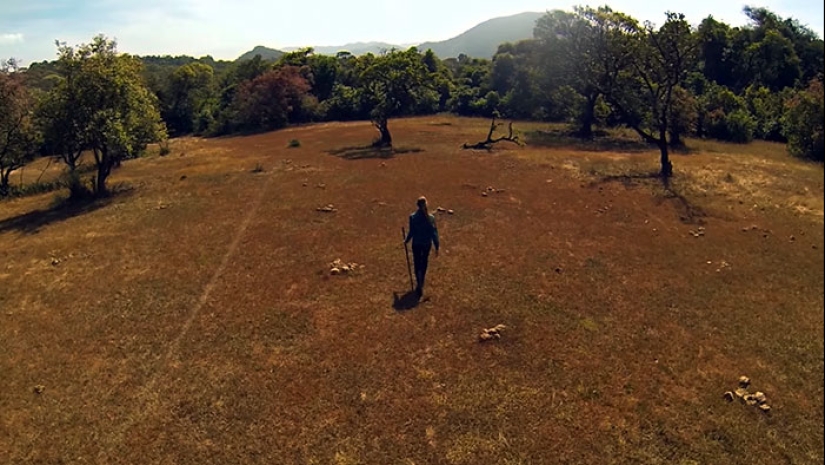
(407, 253)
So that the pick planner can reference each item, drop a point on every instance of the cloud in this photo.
(6, 39)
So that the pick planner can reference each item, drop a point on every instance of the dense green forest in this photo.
(591, 67)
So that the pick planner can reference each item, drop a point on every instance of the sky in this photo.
(227, 28)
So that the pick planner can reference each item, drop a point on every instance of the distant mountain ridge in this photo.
(480, 41)
(355, 48)
(266, 53)
(483, 40)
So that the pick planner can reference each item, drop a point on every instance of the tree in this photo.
(391, 82)
(807, 45)
(683, 115)
(803, 122)
(101, 105)
(645, 95)
(767, 109)
(18, 136)
(587, 50)
(271, 100)
(773, 61)
(62, 118)
(191, 91)
(714, 52)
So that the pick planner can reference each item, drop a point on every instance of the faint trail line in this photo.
(148, 398)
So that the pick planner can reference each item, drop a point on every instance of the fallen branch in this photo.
(490, 141)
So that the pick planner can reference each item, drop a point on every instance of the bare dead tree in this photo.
(488, 143)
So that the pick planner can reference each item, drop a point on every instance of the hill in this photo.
(268, 54)
(483, 40)
(355, 48)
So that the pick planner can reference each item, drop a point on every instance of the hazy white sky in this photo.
(227, 28)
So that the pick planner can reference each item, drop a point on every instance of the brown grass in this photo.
(192, 319)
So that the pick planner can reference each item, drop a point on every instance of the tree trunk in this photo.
(667, 166)
(676, 138)
(586, 124)
(104, 168)
(4, 182)
(385, 139)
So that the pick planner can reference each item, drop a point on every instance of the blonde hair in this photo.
(422, 205)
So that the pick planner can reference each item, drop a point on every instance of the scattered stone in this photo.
(489, 334)
(757, 399)
(183, 177)
(559, 270)
(383, 164)
(792, 238)
(451, 212)
(321, 186)
(484, 194)
(327, 209)
(39, 389)
(440, 209)
(55, 261)
(304, 184)
(697, 233)
(760, 397)
(338, 267)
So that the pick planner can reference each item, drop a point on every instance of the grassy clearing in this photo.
(192, 319)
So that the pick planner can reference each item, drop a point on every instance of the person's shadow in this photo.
(408, 301)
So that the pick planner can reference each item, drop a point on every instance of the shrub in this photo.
(164, 149)
(803, 123)
(740, 126)
(737, 126)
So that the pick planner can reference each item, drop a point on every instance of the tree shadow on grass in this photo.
(689, 212)
(32, 222)
(370, 151)
(555, 138)
(631, 179)
(408, 301)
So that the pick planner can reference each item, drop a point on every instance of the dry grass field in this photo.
(191, 318)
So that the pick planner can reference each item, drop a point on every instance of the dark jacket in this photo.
(422, 230)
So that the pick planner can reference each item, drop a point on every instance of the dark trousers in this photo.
(421, 256)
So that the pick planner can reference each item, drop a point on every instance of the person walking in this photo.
(424, 234)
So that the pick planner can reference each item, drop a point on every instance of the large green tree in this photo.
(192, 98)
(586, 50)
(645, 95)
(392, 82)
(18, 135)
(100, 105)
